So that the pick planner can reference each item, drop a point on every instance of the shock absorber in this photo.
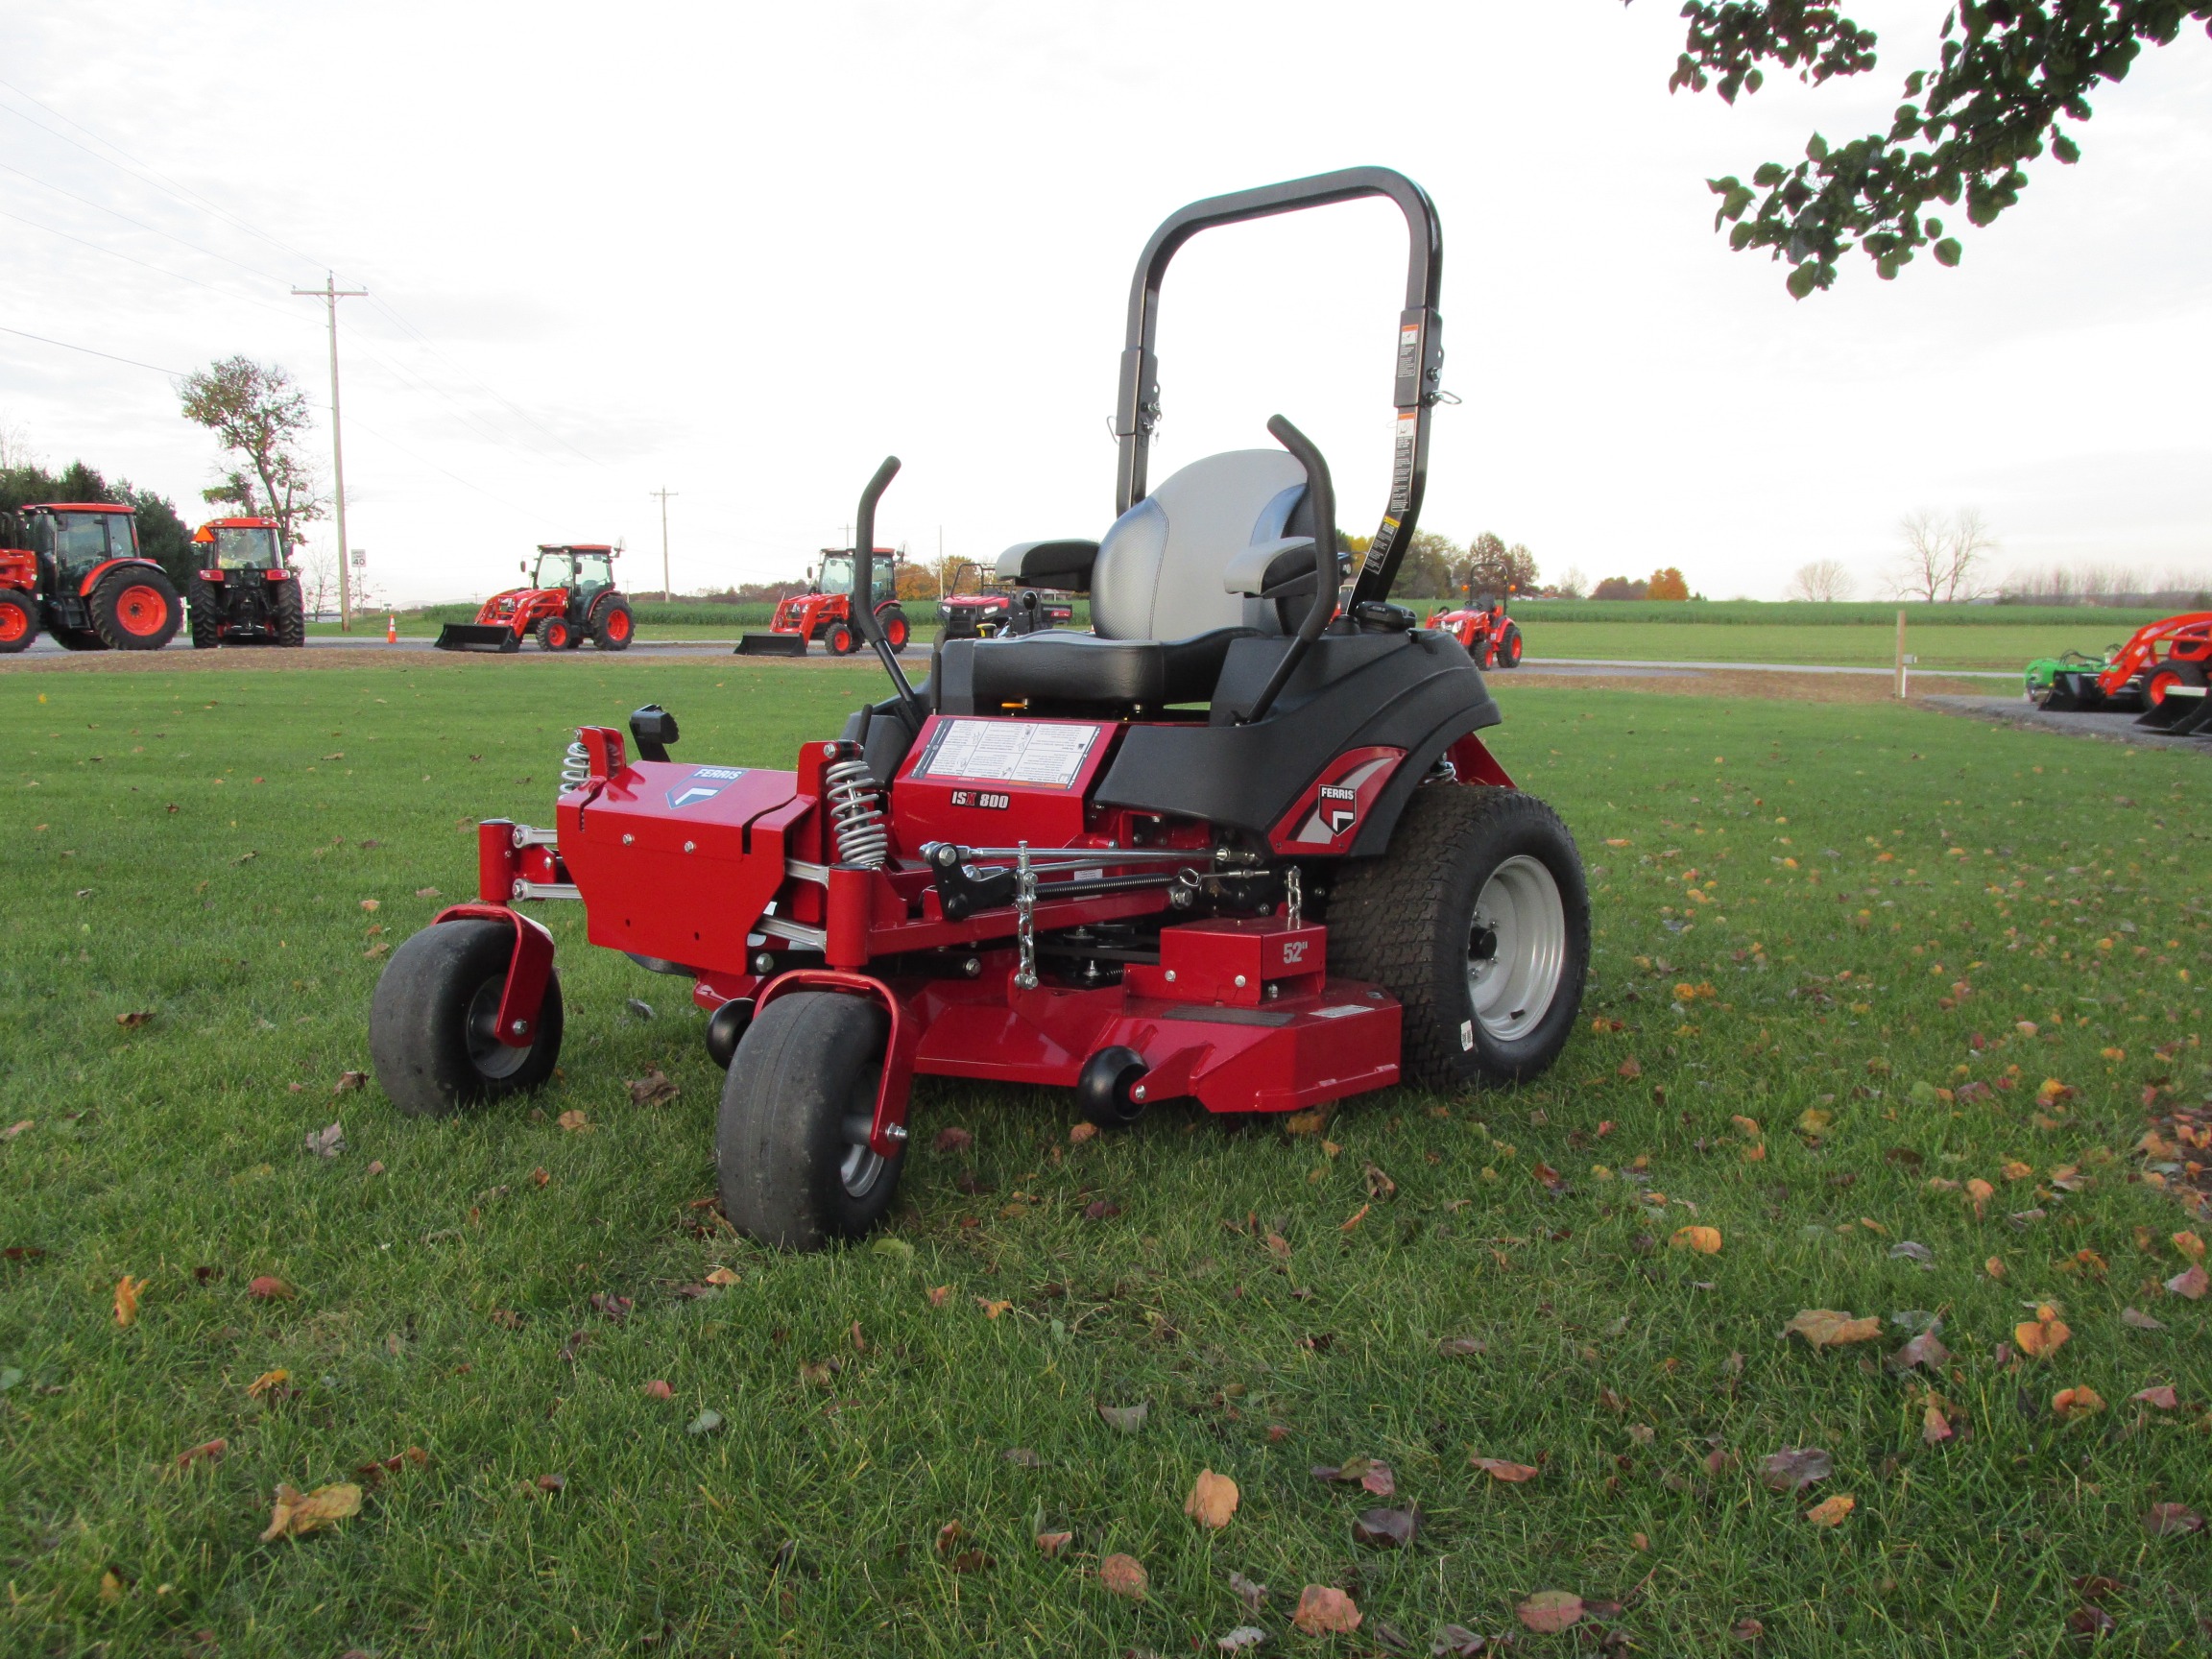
(855, 812)
(575, 767)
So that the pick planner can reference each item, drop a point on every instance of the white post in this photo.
(330, 294)
(663, 495)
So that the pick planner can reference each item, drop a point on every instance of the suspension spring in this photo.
(856, 814)
(575, 767)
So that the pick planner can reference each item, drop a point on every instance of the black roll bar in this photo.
(863, 599)
(1420, 364)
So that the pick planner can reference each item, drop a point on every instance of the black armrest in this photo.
(1049, 565)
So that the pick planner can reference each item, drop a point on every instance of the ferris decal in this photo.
(703, 785)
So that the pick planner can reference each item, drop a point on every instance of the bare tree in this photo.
(1944, 559)
(1824, 582)
(261, 417)
(317, 575)
(1573, 584)
(15, 447)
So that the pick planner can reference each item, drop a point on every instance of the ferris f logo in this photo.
(703, 785)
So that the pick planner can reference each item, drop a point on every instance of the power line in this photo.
(513, 408)
(102, 206)
(90, 353)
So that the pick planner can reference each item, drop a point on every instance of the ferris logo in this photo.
(1339, 807)
(982, 797)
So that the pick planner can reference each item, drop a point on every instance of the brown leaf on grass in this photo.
(1934, 1427)
(1813, 1120)
(1705, 1240)
(1926, 1349)
(206, 1452)
(270, 1385)
(1386, 1529)
(1251, 1593)
(1358, 1215)
(2136, 1320)
(1379, 1187)
(1746, 1629)
(506, 1318)
(271, 1289)
(1278, 1246)
(17, 1129)
(1324, 1610)
(1995, 1267)
(2192, 1284)
(1550, 1611)
(1832, 1511)
(348, 1081)
(2162, 1397)
(657, 1389)
(949, 1537)
(1213, 1500)
(1793, 1468)
(326, 1143)
(127, 1293)
(551, 1483)
(1499, 1469)
(136, 1018)
(952, 1139)
(574, 1122)
(2172, 1520)
(612, 1308)
(1239, 1639)
(1079, 1133)
(1052, 1543)
(2190, 1244)
(992, 1309)
(654, 1089)
(1123, 1575)
(1311, 1122)
(2045, 1336)
(1826, 1327)
(1462, 1346)
(1127, 1419)
(372, 1471)
(1371, 1473)
(1630, 1067)
(296, 1514)
(969, 1561)
(1101, 1209)
(722, 1276)
(2069, 1403)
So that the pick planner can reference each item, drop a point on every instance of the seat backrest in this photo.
(1158, 574)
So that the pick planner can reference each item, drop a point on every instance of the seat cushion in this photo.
(1059, 665)
(1158, 571)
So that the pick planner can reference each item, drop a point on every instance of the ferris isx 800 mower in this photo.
(1240, 844)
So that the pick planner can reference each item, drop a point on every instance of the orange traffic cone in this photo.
(391, 630)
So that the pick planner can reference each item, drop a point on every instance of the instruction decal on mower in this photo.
(1035, 751)
(703, 785)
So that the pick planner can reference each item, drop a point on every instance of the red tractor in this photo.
(1237, 845)
(2159, 659)
(74, 569)
(572, 599)
(824, 611)
(1485, 632)
(244, 592)
(969, 611)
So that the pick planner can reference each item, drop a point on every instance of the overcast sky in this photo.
(743, 252)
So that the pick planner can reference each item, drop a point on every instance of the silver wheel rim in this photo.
(861, 1168)
(491, 1058)
(1516, 948)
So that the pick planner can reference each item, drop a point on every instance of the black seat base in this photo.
(1061, 667)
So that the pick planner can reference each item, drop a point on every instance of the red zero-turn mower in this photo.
(1235, 846)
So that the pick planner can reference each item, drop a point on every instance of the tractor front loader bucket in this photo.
(477, 637)
(2072, 691)
(2182, 711)
(771, 645)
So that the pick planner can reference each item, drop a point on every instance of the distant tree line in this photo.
(1667, 584)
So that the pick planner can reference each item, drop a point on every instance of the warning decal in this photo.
(1036, 752)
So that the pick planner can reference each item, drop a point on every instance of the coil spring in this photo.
(575, 767)
(855, 814)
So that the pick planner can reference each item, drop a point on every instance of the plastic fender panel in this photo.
(1327, 818)
(669, 864)
(993, 781)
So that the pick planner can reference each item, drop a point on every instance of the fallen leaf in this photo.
(1052, 1543)
(17, 1129)
(2190, 1245)
(1311, 1122)
(1386, 1529)
(657, 1389)
(991, 1309)
(271, 1289)
(1831, 1511)
(1324, 1610)
(1934, 1427)
(427, 893)
(1995, 1267)
(1252, 1593)
(348, 1081)
(1358, 1215)
(552, 1482)
(127, 1292)
(612, 1308)
(2172, 1520)
(206, 1452)
(1101, 1209)
(2139, 1320)
(2015, 1171)
(1213, 1500)
(705, 1422)
(326, 1143)
(1705, 1240)
(1128, 1419)
(2045, 1337)
(1926, 1349)
(2088, 1623)
(1550, 1610)
(1379, 1187)
(1911, 1250)
(1499, 1469)
(296, 1514)
(1457, 1642)
(1079, 1133)
(1813, 1120)
(1123, 1575)
(1826, 1327)
(1462, 1346)
(1979, 1193)
(2071, 1403)
(1793, 1469)
(1746, 1629)
(270, 1384)
(2162, 1397)
(654, 1089)
(573, 1121)
(135, 1018)
(722, 1276)
(2190, 1285)
(1242, 1637)
(1630, 1067)
(1024, 1457)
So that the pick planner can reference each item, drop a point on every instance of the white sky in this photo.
(743, 252)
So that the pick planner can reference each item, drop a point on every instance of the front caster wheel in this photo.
(791, 1143)
(431, 1022)
(1106, 1090)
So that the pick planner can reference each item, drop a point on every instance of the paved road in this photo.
(2112, 727)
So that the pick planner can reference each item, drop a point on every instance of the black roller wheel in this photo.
(291, 613)
(135, 609)
(1477, 920)
(18, 619)
(207, 612)
(1106, 1088)
(77, 639)
(791, 1142)
(838, 640)
(612, 625)
(431, 1022)
(555, 635)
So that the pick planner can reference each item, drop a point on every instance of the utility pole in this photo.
(663, 495)
(330, 294)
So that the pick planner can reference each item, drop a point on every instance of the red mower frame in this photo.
(1318, 884)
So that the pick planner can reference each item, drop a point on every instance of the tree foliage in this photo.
(162, 535)
(2011, 74)
(1490, 567)
(261, 417)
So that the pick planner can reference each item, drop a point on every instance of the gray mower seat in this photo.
(1180, 576)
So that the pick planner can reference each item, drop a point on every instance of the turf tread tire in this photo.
(1400, 922)
(417, 1038)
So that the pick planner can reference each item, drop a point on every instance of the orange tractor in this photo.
(1484, 630)
(244, 592)
(74, 569)
(573, 599)
(824, 611)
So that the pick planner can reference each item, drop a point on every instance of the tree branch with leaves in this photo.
(261, 417)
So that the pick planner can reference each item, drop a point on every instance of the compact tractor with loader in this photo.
(1241, 844)
(2162, 662)
(969, 611)
(1485, 632)
(74, 569)
(244, 592)
(571, 598)
(824, 611)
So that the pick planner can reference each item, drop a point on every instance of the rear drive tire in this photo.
(18, 619)
(135, 609)
(430, 1022)
(553, 634)
(838, 638)
(613, 625)
(791, 1141)
(206, 612)
(291, 614)
(1477, 920)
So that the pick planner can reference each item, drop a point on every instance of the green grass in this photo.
(1945, 645)
(209, 866)
(2118, 621)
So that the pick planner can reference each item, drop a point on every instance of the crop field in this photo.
(1895, 1037)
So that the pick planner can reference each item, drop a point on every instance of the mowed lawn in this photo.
(1991, 647)
(1851, 959)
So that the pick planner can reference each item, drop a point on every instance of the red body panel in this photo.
(92, 576)
(19, 571)
(526, 972)
(993, 782)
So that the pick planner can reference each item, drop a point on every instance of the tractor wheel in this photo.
(891, 619)
(791, 1143)
(1477, 920)
(1509, 648)
(18, 619)
(206, 612)
(134, 609)
(2167, 674)
(613, 625)
(77, 639)
(838, 638)
(430, 1022)
(554, 633)
(291, 616)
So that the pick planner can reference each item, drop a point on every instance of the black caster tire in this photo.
(430, 1035)
(790, 1143)
(1105, 1087)
(1478, 920)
